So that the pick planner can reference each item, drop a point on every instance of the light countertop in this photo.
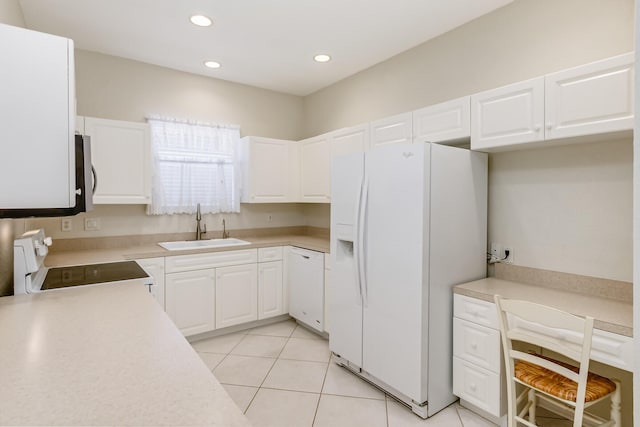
(103, 355)
(88, 256)
(610, 315)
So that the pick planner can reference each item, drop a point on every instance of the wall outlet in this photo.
(66, 224)
(508, 255)
(91, 224)
(496, 251)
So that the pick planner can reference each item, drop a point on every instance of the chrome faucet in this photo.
(200, 230)
(225, 233)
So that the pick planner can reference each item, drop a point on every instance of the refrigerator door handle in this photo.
(362, 259)
(356, 248)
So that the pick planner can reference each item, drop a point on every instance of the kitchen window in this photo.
(194, 163)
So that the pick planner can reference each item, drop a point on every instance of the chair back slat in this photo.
(548, 316)
(549, 343)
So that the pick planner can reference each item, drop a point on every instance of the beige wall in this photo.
(566, 209)
(11, 13)
(121, 89)
(525, 39)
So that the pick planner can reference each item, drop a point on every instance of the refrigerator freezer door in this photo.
(396, 229)
(345, 300)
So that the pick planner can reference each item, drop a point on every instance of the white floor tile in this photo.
(222, 344)
(243, 370)
(302, 332)
(211, 359)
(306, 349)
(401, 416)
(296, 375)
(279, 408)
(470, 419)
(341, 382)
(340, 411)
(261, 346)
(280, 329)
(241, 395)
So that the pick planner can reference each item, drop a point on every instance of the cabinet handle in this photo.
(537, 127)
(549, 125)
(473, 387)
(474, 346)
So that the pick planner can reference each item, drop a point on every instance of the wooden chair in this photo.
(556, 386)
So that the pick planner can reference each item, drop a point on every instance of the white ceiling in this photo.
(264, 43)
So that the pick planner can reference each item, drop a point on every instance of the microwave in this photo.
(86, 182)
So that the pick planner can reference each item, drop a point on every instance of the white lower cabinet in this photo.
(215, 290)
(270, 290)
(191, 300)
(155, 268)
(236, 295)
(477, 358)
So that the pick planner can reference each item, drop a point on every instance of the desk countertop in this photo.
(610, 315)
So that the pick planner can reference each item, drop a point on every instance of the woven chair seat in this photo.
(555, 384)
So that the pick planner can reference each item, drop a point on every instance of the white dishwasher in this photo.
(306, 286)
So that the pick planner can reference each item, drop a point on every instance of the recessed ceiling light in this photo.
(322, 58)
(212, 64)
(200, 20)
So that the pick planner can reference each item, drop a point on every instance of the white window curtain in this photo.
(194, 163)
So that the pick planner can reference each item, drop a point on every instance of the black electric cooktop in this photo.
(92, 274)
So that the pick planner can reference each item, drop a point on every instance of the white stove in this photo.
(31, 276)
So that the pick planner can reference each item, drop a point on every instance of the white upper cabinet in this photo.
(448, 121)
(270, 170)
(508, 115)
(315, 169)
(121, 156)
(37, 108)
(391, 130)
(350, 140)
(590, 99)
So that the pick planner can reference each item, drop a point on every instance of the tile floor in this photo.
(282, 375)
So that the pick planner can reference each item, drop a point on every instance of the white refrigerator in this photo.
(408, 222)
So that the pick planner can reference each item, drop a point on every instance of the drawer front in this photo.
(179, 263)
(606, 347)
(477, 344)
(270, 254)
(475, 310)
(478, 386)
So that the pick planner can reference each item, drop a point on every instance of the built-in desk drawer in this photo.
(476, 311)
(611, 349)
(477, 344)
(477, 386)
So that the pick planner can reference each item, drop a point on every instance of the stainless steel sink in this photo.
(183, 245)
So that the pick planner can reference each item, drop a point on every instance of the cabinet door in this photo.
(350, 140)
(191, 300)
(236, 295)
(155, 268)
(267, 170)
(391, 130)
(448, 121)
(508, 115)
(315, 170)
(37, 113)
(121, 155)
(590, 99)
(270, 289)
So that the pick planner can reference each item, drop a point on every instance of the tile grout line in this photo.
(315, 414)
(270, 369)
